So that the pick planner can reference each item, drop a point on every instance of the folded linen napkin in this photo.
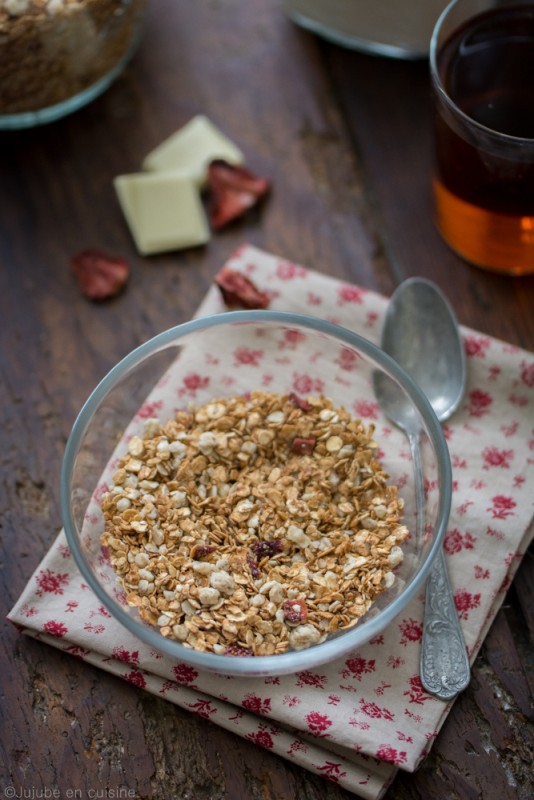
(359, 719)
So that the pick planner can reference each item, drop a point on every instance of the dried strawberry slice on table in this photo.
(233, 190)
(99, 274)
(238, 290)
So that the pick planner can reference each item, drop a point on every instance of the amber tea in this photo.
(484, 129)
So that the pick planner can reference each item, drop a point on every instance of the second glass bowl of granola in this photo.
(58, 55)
(236, 499)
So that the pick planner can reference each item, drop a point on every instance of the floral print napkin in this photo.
(355, 721)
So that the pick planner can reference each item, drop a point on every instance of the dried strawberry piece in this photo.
(303, 445)
(233, 190)
(201, 550)
(267, 548)
(294, 610)
(238, 290)
(99, 274)
(237, 650)
(253, 566)
(300, 402)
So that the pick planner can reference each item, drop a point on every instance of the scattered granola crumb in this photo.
(232, 540)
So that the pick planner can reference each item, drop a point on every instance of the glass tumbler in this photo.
(482, 69)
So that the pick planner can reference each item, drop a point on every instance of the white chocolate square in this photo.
(191, 148)
(164, 211)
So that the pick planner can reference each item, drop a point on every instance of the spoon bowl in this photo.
(435, 360)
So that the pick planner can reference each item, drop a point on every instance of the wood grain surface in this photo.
(346, 140)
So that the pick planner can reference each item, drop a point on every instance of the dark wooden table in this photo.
(346, 140)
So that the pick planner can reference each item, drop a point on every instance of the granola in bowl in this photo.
(254, 524)
(56, 55)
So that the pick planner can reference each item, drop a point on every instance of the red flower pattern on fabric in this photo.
(527, 373)
(387, 753)
(478, 402)
(55, 628)
(358, 666)
(455, 541)
(291, 700)
(378, 639)
(465, 602)
(366, 409)
(121, 654)
(185, 674)
(248, 356)
(192, 383)
(149, 410)
(370, 319)
(309, 679)
(511, 429)
(416, 694)
(502, 507)
(481, 573)
(297, 745)
(349, 294)
(476, 346)
(317, 723)
(287, 271)
(332, 771)
(292, 338)
(64, 549)
(96, 629)
(101, 611)
(381, 688)
(51, 582)
(411, 629)
(77, 651)
(347, 359)
(495, 457)
(262, 738)
(304, 384)
(204, 708)
(136, 677)
(518, 400)
(334, 700)
(257, 705)
(371, 709)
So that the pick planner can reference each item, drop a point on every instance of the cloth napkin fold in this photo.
(355, 721)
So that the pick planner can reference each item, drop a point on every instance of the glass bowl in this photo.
(58, 55)
(233, 354)
(385, 28)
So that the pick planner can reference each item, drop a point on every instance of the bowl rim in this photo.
(293, 660)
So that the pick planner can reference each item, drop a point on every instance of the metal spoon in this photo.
(421, 333)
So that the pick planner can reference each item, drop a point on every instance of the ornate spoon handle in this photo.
(444, 664)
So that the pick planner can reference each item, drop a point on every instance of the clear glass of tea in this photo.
(482, 69)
